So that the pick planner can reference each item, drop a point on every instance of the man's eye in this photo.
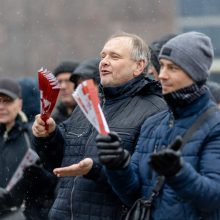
(64, 81)
(6, 101)
(174, 68)
(115, 57)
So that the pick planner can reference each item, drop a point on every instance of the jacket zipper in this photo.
(5, 136)
(72, 191)
(171, 121)
(74, 182)
(71, 196)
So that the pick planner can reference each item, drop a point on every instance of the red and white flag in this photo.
(86, 96)
(29, 159)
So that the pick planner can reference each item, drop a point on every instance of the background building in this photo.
(45, 32)
(203, 16)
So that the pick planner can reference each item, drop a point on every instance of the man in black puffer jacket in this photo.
(127, 99)
(36, 187)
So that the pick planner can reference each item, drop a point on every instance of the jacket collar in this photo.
(194, 108)
(132, 87)
(15, 130)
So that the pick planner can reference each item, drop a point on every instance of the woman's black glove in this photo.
(6, 200)
(110, 152)
(168, 162)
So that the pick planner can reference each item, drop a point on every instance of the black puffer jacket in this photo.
(60, 113)
(125, 108)
(13, 146)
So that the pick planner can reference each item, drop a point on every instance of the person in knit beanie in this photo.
(178, 176)
(192, 52)
(66, 103)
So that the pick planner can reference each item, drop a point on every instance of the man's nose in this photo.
(2, 104)
(163, 73)
(104, 61)
(63, 83)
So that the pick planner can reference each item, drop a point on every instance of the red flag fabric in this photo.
(49, 91)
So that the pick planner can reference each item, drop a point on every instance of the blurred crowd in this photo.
(151, 97)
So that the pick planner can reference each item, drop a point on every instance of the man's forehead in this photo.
(63, 75)
(117, 44)
(5, 97)
(2, 95)
(166, 61)
(119, 39)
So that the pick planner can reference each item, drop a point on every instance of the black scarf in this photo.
(184, 96)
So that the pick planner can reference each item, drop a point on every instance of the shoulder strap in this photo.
(27, 139)
(198, 122)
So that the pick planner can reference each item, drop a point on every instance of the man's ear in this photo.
(20, 104)
(140, 65)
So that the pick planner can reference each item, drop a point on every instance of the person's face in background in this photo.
(66, 89)
(172, 77)
(152, 73)
(116, 66)
(9, 110)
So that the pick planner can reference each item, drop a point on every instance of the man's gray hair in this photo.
(140, 50)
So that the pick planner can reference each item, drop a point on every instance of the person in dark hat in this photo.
(88, 69)
(11, 103)
(155, 47)
(189, 174)
(36, 187)
(66, 103)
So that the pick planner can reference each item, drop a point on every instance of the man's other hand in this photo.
(79, 169)
(40, 129)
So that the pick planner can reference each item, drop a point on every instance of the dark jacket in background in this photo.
(60, 113)
(30, 97)
(13, 146)
(125, 108)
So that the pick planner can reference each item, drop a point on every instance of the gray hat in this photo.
(191, 51)
(10, 88)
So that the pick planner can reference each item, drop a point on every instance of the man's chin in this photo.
(167, 91)
(3, 121)
(68, 103)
